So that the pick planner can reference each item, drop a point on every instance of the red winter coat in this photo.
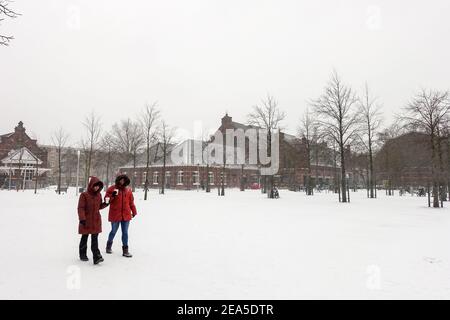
(121, 206)
(89, 206)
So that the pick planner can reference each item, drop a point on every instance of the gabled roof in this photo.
(22, 155)
(6, 135)
(238, 125)
(287, 137)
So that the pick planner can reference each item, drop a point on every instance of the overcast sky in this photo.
(201, 58)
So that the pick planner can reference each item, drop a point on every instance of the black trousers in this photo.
(94, 245)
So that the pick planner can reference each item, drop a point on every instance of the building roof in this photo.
(286, 136)
(7, 135)
(157, 154)
(22, 156)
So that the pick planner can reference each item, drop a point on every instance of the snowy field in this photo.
(193, 245)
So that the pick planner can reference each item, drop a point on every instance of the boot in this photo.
(125, 252)
(98, 259)
(84, 258)
(109, 247)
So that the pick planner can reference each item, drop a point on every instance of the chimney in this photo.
(19, 128)
(226, 120)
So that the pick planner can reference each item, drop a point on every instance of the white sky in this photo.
(200, 58)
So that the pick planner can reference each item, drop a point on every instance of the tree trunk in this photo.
(343, 175)
(222, 189)
(309, 182)
(435, 189)
(208, 188)
(163, 173)
(147, 166)
(371, 173)
(133, 175)
(108, 168)
(59, 171)
(270, 183)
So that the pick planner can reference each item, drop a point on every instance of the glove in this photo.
(133, 215)
(105, 204)
(114, 193)
(83, 222)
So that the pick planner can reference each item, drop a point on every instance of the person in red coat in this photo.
(121, 211)
(89, 205)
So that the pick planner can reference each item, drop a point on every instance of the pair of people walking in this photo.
(120, 200)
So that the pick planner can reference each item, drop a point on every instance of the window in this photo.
(211, 177)
(28, 174)
(180, 177)
(195, 178)
(224, 178)
(155, 177)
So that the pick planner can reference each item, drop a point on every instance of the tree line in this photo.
(339, 118)
(122, 144)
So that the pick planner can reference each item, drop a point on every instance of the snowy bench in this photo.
(62, 189)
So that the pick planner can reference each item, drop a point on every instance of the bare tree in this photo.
(128, 140)
(108, 150)
(206, 158)
(308, 132)
(428, 112)
(92, 126)
(446, 140)
(148, 121)
(371, 120)
(165, 138)
(6, 12)
(267, 116)
(70, 164)
(59, 139)
(386, 138)
(338, 119)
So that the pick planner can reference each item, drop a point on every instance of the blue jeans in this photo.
(115, 226)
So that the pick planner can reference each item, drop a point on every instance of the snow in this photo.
(194, 245)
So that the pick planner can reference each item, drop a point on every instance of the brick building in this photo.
(405, 161)
(21, 160)
(187, 174)
(192, 174)
(293, 168)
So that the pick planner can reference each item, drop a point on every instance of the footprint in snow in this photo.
(432, 260)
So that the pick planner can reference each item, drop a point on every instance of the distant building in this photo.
(186, 174)
(21, 160)
(69, 162)
(192, 174)
(405, 161)
(293, 168)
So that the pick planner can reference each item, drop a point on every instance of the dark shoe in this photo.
(84, 258)
(109, 247)
(98, 259)
(125, 252)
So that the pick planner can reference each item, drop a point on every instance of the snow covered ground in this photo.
(193, 245)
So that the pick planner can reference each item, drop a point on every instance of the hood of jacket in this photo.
(94, 181)
(120, 177)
